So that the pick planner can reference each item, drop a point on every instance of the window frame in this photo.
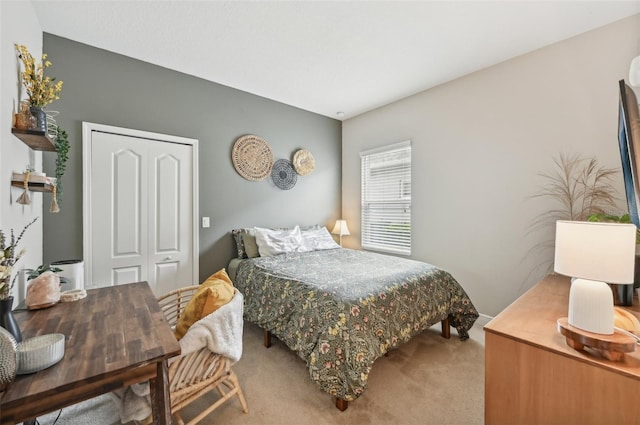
(382, 211)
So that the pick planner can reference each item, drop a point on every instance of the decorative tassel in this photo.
(24, 198)
(54, 201)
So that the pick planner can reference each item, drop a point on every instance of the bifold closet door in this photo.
(141, 212)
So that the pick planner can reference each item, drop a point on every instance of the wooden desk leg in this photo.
(160, 401)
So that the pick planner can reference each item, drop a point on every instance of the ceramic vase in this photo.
(41, 118)
(7, 320)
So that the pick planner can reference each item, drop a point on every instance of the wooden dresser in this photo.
(533, 377)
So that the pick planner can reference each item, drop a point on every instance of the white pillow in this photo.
(318, 239)
(272, 242)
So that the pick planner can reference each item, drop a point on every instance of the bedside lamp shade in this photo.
(596, 251)
(594, 254)
(341, 229)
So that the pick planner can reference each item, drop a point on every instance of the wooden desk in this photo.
(533, 377)
(115, 337)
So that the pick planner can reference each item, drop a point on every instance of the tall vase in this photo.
(7, 320)
(41, 118)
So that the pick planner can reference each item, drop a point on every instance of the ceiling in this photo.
(326, 56)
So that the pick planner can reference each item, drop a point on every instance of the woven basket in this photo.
(252, 157)
(283, 174)
(303, 162)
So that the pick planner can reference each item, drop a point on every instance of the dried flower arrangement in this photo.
(8, 258)
(581, 189)
(42, 90)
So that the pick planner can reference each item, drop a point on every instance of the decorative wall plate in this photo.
(283, 174)
(252, 157)
(303, 162)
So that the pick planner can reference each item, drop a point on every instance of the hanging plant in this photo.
(62, 149)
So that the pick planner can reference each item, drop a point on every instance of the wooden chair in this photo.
(195, 374)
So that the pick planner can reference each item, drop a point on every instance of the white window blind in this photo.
(386, 198)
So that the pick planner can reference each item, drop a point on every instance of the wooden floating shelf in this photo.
(34, 187)
(36, 140)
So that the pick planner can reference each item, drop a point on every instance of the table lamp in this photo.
(634, 72)
(594, 254)
(341, 229)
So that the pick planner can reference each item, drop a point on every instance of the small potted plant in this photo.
(33, 273)
(624, 218)
(611, 218)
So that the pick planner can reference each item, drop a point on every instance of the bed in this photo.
(340, 309)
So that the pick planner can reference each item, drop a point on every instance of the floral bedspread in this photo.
(341, 309)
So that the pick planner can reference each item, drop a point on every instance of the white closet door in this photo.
(141, 212)
(170, 198)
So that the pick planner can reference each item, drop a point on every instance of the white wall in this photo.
(15, 155)
(479, 143)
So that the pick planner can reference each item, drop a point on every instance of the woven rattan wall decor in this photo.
(303, 162)
(283, 174)
(252, 157)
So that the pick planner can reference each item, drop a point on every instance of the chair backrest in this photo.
(174, 302)
(194, 374)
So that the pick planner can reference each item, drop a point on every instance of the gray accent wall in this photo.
(107, 88)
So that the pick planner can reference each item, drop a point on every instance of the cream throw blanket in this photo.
(220, 332)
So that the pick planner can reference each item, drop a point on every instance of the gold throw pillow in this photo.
(214, 292)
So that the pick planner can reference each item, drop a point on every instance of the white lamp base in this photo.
(591, 306)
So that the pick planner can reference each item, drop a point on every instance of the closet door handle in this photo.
(167, 259)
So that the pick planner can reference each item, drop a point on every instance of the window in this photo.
(386, 198)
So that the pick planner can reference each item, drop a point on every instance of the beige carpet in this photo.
(429, 380)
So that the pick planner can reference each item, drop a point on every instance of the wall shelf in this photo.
(34, 187)
(36, 140)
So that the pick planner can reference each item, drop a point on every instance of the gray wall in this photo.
(107, 88)
(479, 143)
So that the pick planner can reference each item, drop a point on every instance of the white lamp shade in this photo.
(596, 251)
(634, 72)
(341, 228)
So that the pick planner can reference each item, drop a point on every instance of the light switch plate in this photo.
(205, 222)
